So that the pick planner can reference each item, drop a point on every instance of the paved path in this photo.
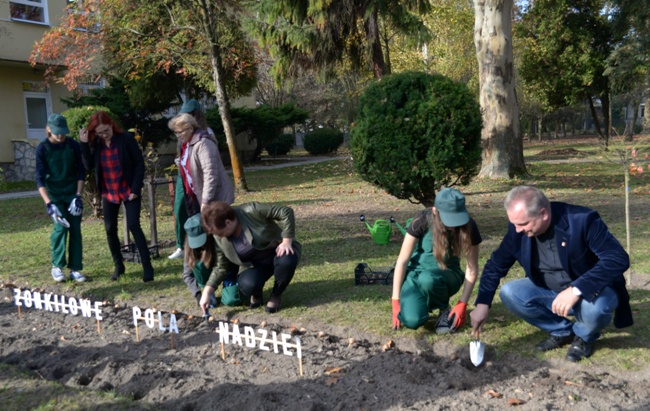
(291, 162)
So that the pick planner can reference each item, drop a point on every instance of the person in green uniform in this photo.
(428, 271)
(200, 258)
(60, 176)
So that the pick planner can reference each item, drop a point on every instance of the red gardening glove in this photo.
(460, 311)
(396, 323)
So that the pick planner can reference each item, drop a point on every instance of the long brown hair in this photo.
(205, 253)
(448, 239)
(98, 118)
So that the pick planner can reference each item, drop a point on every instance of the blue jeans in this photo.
(533, 305)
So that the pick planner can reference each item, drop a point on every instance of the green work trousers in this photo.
(180, 212)
(58, 240)
(426, 290)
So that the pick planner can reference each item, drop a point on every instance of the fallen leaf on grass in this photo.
(333, 370)
(575, 384)
(512, 402)
(494, 394)
(501, 318)
(331, 381)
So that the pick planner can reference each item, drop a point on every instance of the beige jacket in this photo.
(211, 182)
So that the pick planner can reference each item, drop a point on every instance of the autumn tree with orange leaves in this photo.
(201, 39)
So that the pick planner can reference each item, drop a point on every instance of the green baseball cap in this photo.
(196, 237)
(450, 204)
(58, 124)
(190, 105)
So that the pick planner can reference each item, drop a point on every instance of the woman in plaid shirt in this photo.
(119, 173)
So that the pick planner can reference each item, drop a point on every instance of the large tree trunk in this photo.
(372, 33)
(226, 119)
(503, 152)
(603, 132)
(209, 30)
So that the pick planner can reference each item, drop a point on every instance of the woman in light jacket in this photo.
(204, 177)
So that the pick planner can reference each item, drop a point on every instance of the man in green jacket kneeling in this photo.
(256, 239)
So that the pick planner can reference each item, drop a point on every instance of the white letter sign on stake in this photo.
(150, 320)
(249, 338)
(55, 303)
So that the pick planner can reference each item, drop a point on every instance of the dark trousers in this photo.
(252, 280)
(132, 210)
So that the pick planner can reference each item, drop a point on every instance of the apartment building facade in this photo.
(25, 100)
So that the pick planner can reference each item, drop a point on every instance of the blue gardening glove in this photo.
(76, 206)
(53, 211)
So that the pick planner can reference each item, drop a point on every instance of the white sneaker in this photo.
(176, 254)
(77, 276)
(57, 274)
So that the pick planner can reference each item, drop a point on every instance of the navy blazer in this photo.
(589, 253)
(129, 155)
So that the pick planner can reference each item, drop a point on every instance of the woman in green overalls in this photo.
(60, 176)
(200, 258)
(428, 272)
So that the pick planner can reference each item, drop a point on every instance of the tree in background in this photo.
(503, 153)
(199, 38)
(331, 102)
(415, 133)
(318, 35)
(566, 44)
(133, 112)
(449, 50)
(627, 66)
(264, 124)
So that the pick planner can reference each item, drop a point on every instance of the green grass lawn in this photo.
(328, 198)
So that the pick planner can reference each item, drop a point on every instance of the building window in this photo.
(84, 88)
(29, 10)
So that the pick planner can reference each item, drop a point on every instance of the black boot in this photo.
(119, 270)
(147, 274)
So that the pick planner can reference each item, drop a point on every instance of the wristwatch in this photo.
(576, 291)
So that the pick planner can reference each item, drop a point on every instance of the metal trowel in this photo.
(476, 352)
(62, 221)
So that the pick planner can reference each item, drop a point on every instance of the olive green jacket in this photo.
(264, 226)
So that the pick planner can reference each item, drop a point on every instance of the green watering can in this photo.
(402, 229)
(380, 231)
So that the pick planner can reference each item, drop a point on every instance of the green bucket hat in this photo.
(196, 237)
(190, 105)
(58, 124)
(450, 204)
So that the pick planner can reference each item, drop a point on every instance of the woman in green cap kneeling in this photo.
(428, 271)
(200, 259)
